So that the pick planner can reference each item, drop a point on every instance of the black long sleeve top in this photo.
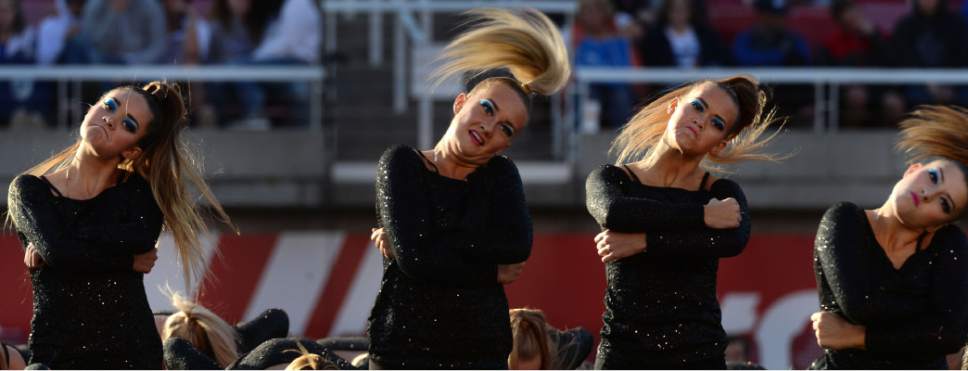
(440, 304)
(90, 309)
(285, 350)
(571, 347)
(180, 354)
(270, 324)
(349, 344)
(661, 308)
(913, 315)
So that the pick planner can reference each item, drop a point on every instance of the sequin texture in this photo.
(661, 309)
(90, 310)
(913, 315)
(439, 301)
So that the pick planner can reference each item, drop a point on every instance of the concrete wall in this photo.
(245, 169)
(857, 166)
(290, 169)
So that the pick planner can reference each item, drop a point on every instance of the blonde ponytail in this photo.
(206, 331)
(525, 43)
(170, 167)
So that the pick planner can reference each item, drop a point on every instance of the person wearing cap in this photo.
(768, 42)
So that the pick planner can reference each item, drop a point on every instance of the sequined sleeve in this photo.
(36, 219)
(420, 250)
(945, 329)
(276, 352)
(615, 211)
(841, 270)
(271, 324)
(180, 354)
(139, 232)
(838, 246)
(504, 235)
(704, 241)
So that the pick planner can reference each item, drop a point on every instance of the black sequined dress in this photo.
(913, 316)
(90, 310)
(440, 305)
(661, 309)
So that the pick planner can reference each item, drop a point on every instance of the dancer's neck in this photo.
(448, 163)
(87, 175)
(890, 232)
(671, 168)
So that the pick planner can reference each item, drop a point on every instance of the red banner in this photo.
(327, 282)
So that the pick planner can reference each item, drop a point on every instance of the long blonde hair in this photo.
(169, 166)
(205, 330)
(526, 43)
(640, 138)
(530, 338)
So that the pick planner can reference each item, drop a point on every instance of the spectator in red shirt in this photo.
(856, 42)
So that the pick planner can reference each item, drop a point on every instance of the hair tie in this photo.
(189, 315)
(152, 93)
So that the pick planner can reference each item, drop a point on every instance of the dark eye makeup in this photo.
(111, 104)
(488, 106)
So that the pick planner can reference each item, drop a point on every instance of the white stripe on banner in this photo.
(351, 320)
(168, 271)
(295, 276)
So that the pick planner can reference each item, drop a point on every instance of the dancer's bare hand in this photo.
(379, 238)
(834, 332)
(145, 262)
(32, 258)
(507, 273)
(613, 246)
(722, 214)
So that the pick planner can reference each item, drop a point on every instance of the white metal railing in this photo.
(63, 75)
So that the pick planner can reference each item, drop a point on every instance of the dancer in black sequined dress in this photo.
(893, 281)
(455, 226)
(666, 223)
(89, 219)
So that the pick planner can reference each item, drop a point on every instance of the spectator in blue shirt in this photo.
(19, 97)
(598, 44)
(769, 42)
